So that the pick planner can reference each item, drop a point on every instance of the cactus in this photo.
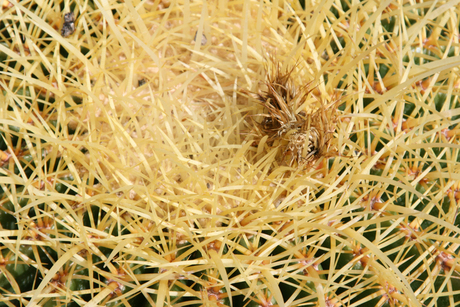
(221, 153)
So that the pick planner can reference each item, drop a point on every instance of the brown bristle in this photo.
(307, 131)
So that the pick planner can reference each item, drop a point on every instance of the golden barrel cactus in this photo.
(229, 153)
